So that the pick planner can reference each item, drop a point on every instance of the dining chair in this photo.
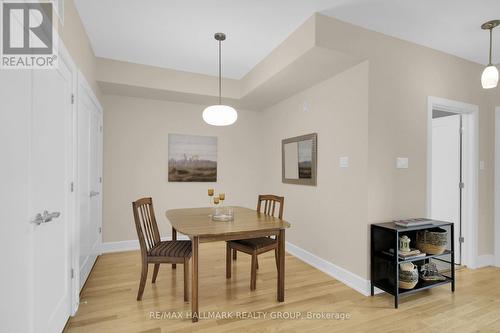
(154, 250)
(256, 246)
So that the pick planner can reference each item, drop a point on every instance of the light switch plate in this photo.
(482, 165)
(402, 162)
(344, 162)
(305, 107)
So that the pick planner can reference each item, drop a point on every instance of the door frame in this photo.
(497, 189)
(82, 86)
(470, 172)
(65, 56)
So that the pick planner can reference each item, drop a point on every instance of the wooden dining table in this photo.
(197, 224)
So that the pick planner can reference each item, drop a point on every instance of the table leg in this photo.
(281, 266)
(194, 280)
(174, 238)
(228, 261)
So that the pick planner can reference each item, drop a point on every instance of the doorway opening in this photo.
(452, 178)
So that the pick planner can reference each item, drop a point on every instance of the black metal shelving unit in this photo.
(384, 267)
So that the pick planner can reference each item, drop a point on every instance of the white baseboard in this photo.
(485, 260)
(350, 279)
(130, 245)
(121, 246)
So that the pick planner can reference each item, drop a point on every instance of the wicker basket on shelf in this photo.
(408, 275)
(432, 241)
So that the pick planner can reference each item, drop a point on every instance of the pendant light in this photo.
(489, 79)
(220, 115)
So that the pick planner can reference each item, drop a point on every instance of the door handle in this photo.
(45, 217)
(93, 193)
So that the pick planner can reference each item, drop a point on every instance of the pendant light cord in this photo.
(220, 74)
(491, 43)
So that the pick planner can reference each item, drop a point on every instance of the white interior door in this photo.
(446, 155)
(95, 183)
(89, 180)
(16, 313)
(51, 169)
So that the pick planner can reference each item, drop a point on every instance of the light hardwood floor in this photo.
(108, 300)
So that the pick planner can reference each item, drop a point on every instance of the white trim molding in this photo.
(496, 238)
(470, 170)
(74, 230)
(120, 246)
(131, 245)
(485, 260)
(348, 278)
(81, 271)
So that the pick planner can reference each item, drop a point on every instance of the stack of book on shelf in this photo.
(413, 222)
(412, 254)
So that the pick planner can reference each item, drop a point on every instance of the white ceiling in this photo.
(451, 26)
(178, 34)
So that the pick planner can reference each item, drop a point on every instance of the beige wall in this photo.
(398, 78)
(398, 127)
(135, 160)
(77, 42)
(402, 76)
(372, 112)
(330, 219)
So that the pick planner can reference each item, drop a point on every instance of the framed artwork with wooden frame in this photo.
(299, 157)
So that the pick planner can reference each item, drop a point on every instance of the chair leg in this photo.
(276, 257)
(186, 280)
(155, 272)
(228, 261)
(253, 275)
(234, 254)
(144, 276)
(257, 260)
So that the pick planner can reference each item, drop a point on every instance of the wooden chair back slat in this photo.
(145, 224)
(145, 227)
(156, 231)
(151, 222)
(270, 203)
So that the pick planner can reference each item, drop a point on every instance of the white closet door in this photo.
(15, 229)
(51, 169)
(89, 185)
(445, 194)
(95, 184)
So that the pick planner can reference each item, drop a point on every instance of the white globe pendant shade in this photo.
(220, 115)
(489, 79)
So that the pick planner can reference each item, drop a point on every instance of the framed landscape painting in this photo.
(192, 158)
